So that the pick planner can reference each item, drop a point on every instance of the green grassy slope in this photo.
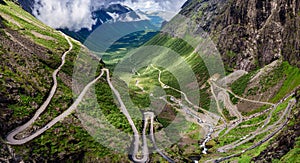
(29, 53)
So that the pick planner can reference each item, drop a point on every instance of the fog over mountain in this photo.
(77, 14)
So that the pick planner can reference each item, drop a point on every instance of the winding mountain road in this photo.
(258, 132)
(210, 118)
(147, 116)
(10, 138)
(235, 112)
(211, 115)
(241, 98)
(268, 137)
(124, 110)
(217, 101)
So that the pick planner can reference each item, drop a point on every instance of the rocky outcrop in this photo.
(250, 34)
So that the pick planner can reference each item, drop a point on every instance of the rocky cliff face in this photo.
(250, 34)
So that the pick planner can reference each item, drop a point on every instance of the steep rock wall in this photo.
(250, 34)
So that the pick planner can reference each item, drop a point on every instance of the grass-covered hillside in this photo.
(29, 53)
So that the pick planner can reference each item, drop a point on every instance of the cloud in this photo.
(77, 14)
(169, 7)
(71, 14)
(155, 5)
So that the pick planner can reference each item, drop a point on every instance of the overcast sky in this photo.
(76, 14)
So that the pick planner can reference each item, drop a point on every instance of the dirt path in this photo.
(241, 98)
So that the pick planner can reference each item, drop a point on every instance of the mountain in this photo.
(116, 12)
(220, 82)
(113, 13)
(165, 15)
(155, 18)
(255, 32)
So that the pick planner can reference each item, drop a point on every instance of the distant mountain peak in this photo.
(118, 8)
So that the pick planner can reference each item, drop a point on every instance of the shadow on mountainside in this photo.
(2, 2)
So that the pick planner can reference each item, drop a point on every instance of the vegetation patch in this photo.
(239, 86)
(292, 81)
